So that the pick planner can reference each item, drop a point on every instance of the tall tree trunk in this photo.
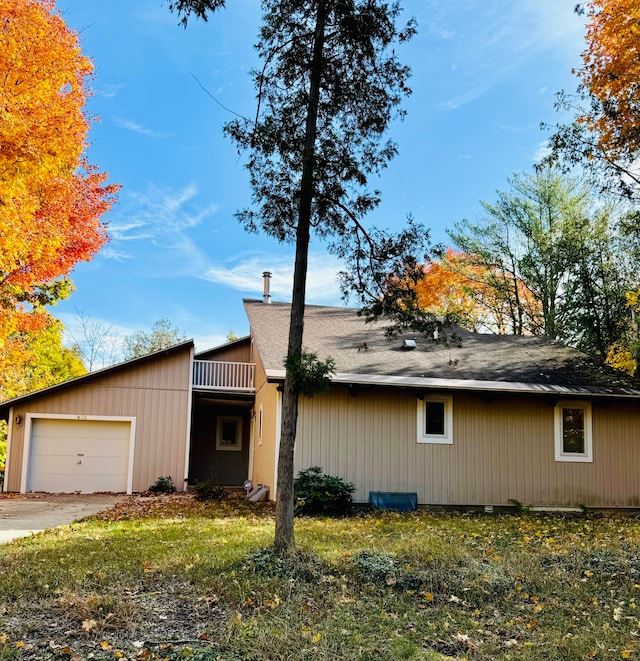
(284, 538)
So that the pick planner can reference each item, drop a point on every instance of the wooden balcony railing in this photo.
(218, 375)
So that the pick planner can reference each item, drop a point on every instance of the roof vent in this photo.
(408, 344)
(266, 296)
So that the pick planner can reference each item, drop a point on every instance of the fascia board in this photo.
(461, 384)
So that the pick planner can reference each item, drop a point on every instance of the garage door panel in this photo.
(69, 429)
(52, 464)
(70, 455)
(82, 484)
(61, 446)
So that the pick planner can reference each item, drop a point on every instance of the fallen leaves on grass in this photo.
(180, 505)
(89, 625)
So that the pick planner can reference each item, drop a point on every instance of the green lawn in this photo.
(170, 578)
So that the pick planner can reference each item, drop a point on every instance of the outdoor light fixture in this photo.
(18, 420)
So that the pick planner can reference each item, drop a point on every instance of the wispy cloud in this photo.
(245, 274)
(124, 231)
(117, 255)
(482, 54)
(162, 220)
(107, 91)
(160, 213)
(542, 151)
(441, 31)
(130, 125)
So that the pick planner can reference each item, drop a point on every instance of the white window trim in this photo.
(587, 455)
(447, 437)
(229, 448)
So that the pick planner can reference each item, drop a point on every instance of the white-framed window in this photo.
(573, 435)
(435, 419)
(229, 433)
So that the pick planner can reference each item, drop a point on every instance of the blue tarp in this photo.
(394, 500)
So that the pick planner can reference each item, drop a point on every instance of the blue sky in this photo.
(485, 75)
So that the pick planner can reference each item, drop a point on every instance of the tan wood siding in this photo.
(234, 353)
(156, 393)
(264, 455)
(503, 449)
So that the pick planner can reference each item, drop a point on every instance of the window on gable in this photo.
(573, 431)
(435, 419)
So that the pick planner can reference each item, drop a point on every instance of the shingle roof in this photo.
(363, 354)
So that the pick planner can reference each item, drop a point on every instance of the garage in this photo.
(67, 454)
(112, 430)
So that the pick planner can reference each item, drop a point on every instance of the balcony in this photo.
(223, 376)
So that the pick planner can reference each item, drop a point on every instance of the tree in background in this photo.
(529, 236)
(98, 343)
(552, 260)
(605, 139)
(37, 360)
(444, 289)
(161, 336)
(597, 313)
(605, 135)
(456, 287)
(51, 198)
(624, 354)
(329, 86)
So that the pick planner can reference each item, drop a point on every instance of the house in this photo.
(478, 420)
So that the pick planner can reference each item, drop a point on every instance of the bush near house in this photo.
(318, 493)
(209, 490)
(163, 484)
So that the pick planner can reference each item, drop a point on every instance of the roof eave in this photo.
(466, 384)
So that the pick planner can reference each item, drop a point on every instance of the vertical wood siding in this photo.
(264, 456)
(156, 393)
(234, 353)
(503, 449)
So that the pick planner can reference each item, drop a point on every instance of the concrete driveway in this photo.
(23, 515)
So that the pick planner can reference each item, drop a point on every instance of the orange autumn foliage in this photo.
(51, 198)
(623, 354)
(610, 75)
(444, 290)
(472, 295)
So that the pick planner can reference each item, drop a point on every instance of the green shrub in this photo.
(383, 570)
(297, 565)
(317, 493)
(163, 484)
(209, 490)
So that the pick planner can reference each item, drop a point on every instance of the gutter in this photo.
(464, 384)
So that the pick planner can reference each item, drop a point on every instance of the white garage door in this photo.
(78, 455)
